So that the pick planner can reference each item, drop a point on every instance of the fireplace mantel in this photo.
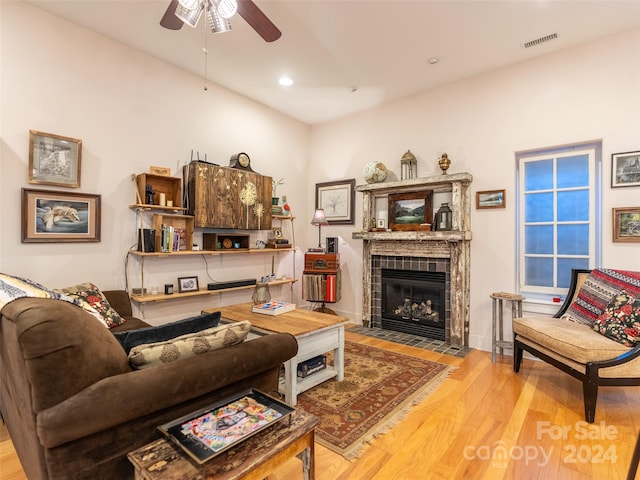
(454, 244)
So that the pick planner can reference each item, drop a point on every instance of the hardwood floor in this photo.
(483, 422)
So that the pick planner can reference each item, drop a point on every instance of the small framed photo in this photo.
(411, 211)
(625, 169)
(491, 199)
(188, 284)
(54, 159)
(626, 224)
(51, 216)
(337, 199)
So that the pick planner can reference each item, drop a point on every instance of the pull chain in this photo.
(205, 50)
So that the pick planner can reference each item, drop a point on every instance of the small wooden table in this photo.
(253, 459)
(497, 322)
(317, 333)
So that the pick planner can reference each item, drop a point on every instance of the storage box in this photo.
(225, 241)
(312, 365)
(180, 227)
(170, 186)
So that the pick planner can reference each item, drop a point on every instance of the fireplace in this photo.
(414, 302)
(447, 252)
(421, 280)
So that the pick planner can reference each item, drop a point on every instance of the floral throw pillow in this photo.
(91, 299)
(621, 320)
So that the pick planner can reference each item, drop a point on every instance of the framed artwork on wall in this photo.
(626, 224)
(625, 169)
(337, 199)
(51, 216)
(54, 159)
(491, 199)
(411, 211)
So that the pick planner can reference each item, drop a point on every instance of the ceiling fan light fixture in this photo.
(226, 8)
(189, 4)
(216, 22)
(190, 16)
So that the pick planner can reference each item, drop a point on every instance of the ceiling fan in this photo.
(218, 13)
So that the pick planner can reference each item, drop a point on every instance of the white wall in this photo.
(131, 111)
(584, 93)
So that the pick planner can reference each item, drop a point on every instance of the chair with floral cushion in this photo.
(595, 335)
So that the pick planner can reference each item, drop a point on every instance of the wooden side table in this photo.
(253, 459)
(497, 340)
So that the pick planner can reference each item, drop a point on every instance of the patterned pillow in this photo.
(621, 320)
(599, 288)
(92, 300)
(162, 333)
(190, 345)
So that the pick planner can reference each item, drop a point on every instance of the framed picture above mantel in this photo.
(411, 211)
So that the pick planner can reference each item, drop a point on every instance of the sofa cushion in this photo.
(190, 345)
(568, 339)
(91, 299)
(621, 320)
(162, 333)
(597, 291)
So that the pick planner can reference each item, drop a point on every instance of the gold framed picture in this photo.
(54, 159)
(52, 216)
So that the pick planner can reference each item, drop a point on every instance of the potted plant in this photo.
(274, 186)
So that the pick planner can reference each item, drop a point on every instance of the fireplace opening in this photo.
(414, 302)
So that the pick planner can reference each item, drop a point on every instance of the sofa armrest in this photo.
(128, 396)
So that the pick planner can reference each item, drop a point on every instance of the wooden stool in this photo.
(497, 320)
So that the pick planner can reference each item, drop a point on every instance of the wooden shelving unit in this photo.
(161, 297)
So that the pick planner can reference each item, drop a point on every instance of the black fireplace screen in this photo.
(414, 296)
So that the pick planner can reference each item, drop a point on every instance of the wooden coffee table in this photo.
(252, 459)
(317, 333)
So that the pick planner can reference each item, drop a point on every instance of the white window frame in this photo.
(594, 152)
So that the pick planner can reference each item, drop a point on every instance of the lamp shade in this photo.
(319, 218)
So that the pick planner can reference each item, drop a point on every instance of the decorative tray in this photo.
(212, 430)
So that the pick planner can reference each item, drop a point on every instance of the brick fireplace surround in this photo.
(420, 250)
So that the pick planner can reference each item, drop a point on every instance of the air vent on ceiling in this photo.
(540, 40)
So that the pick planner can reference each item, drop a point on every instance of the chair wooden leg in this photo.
(633, 467)
(517, 355)
(590, 393)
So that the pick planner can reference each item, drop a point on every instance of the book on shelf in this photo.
(273, 308)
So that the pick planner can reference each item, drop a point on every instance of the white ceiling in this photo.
(346, 56)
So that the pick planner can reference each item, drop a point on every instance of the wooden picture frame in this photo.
(338, 200)
(625, 169)
(53, 216)
(411, 211)
(54, 159)
(626, 224)
(188, 284)
(491, 199)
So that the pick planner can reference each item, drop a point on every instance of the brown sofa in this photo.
(74, 407)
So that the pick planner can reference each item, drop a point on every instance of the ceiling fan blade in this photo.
(258, 20)
(169, 19)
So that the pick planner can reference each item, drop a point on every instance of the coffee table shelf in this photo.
(317, 333)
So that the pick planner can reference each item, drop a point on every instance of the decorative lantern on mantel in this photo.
(408, 166)
(444, 218)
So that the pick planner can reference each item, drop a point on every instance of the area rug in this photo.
(378, 390)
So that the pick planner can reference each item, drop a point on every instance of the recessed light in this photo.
(285, 81)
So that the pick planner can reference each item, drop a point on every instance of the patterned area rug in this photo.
(378, 390)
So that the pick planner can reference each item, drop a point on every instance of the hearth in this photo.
(414, 302)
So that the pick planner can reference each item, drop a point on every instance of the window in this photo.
(558, 216)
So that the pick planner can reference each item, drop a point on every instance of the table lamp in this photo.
(319, 219)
